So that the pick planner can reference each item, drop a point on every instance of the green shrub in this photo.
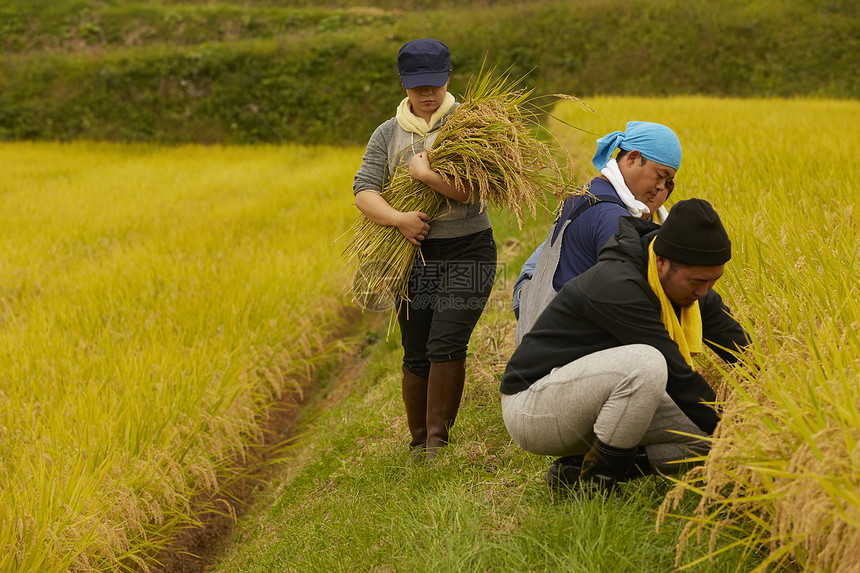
(183, 72)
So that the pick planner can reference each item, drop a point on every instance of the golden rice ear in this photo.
(367, 291)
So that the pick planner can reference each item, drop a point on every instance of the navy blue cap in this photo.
(424, 62)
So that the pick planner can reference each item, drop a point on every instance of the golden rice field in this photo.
(785, 469)
(153, 301)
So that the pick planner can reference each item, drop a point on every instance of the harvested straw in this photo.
(485, 145)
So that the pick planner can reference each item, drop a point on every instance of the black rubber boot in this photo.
(564, 472)
(444, 392)
(603, 467)
(415, 400)
(641, 465)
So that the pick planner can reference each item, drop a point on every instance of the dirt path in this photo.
(194, 549)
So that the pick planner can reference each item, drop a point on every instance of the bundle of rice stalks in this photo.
(487, 145)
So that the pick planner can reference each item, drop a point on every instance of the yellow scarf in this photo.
(414, 124)
(687, 333)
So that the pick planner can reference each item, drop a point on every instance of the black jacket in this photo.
(612, 305)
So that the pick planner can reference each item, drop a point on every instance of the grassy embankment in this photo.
(155, 303)
(189, 71)
(775, 171)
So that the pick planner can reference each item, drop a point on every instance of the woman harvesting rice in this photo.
(450, 282)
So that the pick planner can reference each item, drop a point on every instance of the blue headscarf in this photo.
(655, 142)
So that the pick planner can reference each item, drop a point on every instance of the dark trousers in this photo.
(448, 291)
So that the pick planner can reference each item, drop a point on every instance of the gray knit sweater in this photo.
(391, 145)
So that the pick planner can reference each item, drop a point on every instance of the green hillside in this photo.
(211, 72)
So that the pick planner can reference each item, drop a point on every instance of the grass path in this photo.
(348, 500)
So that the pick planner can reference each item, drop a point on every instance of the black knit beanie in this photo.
(693, 235)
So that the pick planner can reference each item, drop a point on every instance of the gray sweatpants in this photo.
(617, 395)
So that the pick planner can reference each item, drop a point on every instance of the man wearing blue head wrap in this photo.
(635, 183)
(654, 141)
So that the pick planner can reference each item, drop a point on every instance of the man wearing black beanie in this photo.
(607, 369)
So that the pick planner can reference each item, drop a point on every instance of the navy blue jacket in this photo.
(586, 235)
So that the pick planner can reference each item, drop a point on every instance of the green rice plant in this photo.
(487, 145)
(155, 303)
(782, 479)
